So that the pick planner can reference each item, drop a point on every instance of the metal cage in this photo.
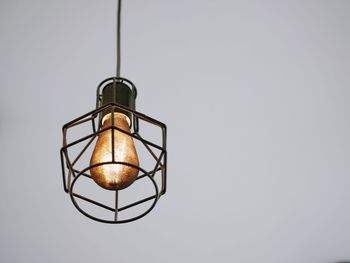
(72, 174)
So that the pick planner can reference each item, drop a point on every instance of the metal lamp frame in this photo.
(71, 174)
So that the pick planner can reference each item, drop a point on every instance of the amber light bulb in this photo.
(114, 176)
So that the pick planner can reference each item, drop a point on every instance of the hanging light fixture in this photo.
(114, 164)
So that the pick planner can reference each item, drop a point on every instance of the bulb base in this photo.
(120, 93)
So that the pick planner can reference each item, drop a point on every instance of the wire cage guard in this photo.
(71, 173)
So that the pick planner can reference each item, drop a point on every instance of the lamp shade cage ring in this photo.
(115, 210)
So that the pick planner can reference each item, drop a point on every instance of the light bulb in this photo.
(114, 176)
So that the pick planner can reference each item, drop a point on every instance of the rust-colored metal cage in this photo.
(73, 174)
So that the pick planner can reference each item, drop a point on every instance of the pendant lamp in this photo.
(107, 150)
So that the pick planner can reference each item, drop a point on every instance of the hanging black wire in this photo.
(118, 38)
(118, 49)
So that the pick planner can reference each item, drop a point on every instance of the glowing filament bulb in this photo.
(114, 176)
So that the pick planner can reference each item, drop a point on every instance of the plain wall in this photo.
(256, 98)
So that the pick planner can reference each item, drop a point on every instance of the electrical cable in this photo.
(118, 38)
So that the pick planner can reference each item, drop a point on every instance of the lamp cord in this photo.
(118, 38)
